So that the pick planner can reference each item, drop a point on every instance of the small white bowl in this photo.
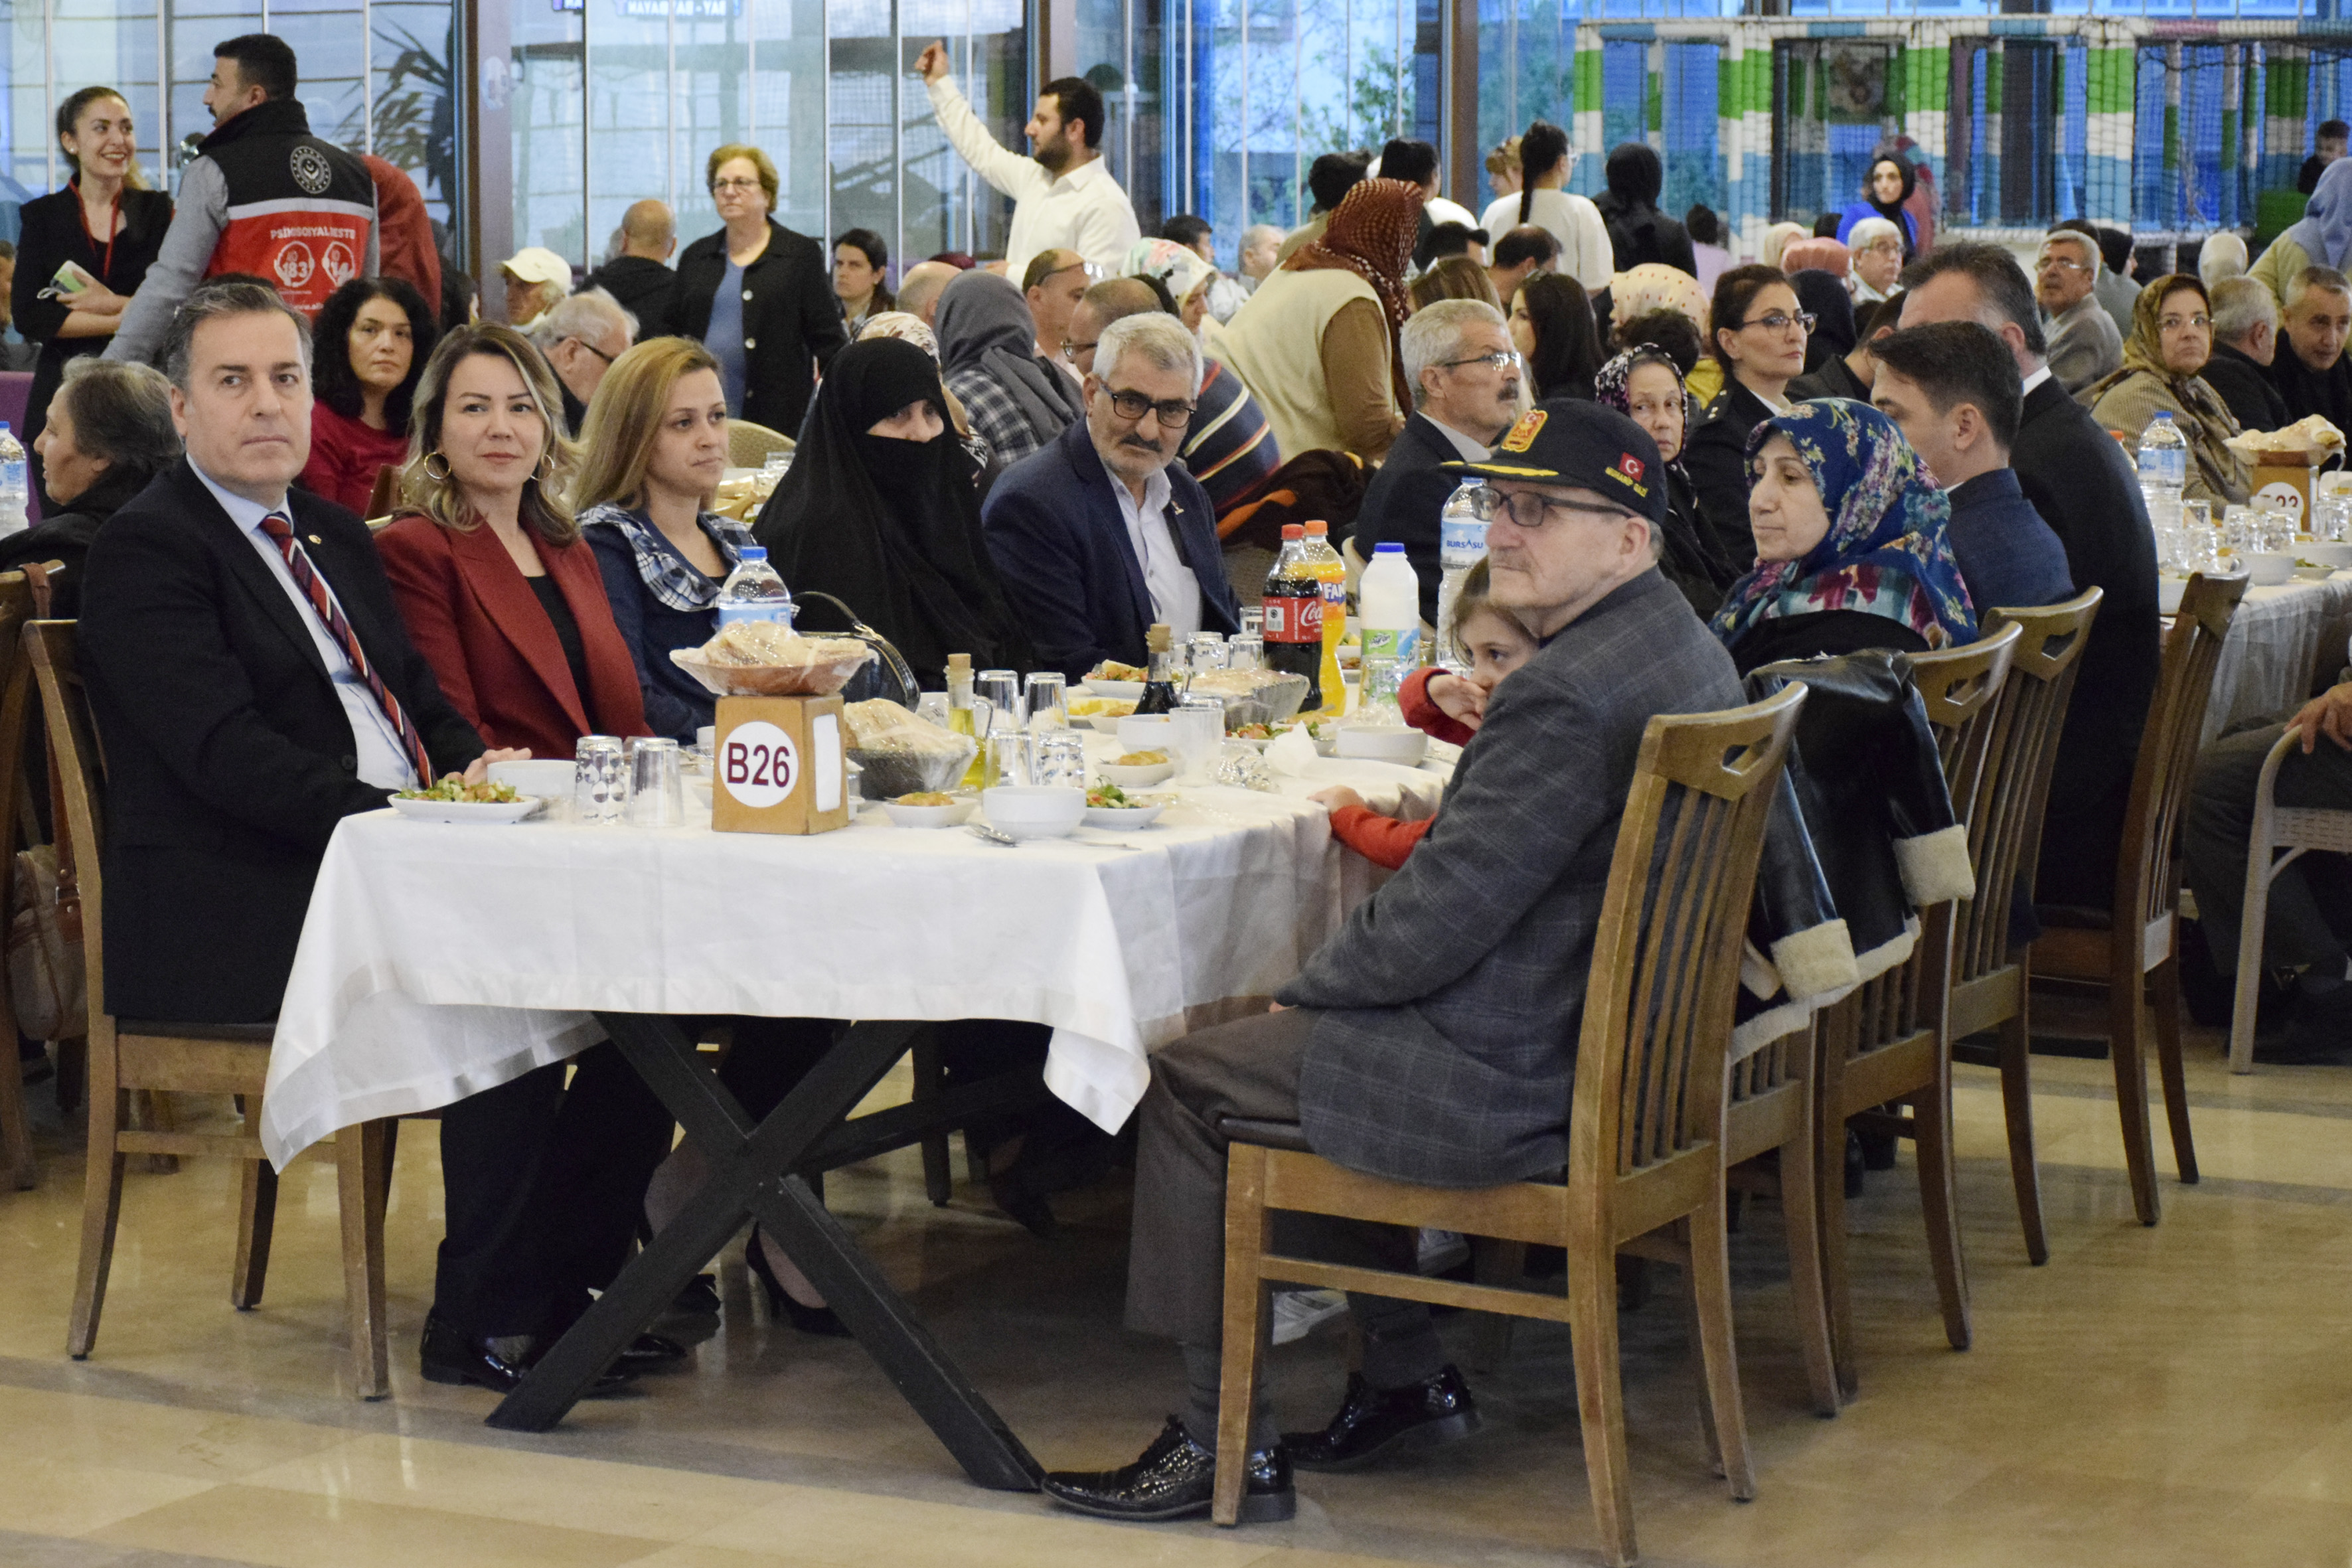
(1033, 811)
(1131, 690)
(929, 816)
(2269, 568)
(1124, 817)
(548, 778)
(1138, 778)
(1384, 743)
(2326, 553)
(1145, 732)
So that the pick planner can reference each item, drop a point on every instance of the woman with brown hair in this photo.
(656, 439)
(498, 591)
(1316, 344)
(1454, 277)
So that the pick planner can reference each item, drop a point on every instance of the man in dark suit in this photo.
(1464, 377)
(1433, 1038)
(639, 277)
(2312, 375)
(1952, 389)
(2245, 341)
(2078, 479)
(1101, 533)
(240, 728)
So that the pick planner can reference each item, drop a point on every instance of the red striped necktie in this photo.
(331, 613)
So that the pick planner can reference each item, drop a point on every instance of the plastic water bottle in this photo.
(2163, 471)
(13, 493)
(752, 592)
(1389, 596)
(1461, 545)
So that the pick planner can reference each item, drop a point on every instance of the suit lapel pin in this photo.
(316, 540)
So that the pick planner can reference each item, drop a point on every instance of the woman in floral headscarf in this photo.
(1316, 344)
(1852, 543)
(1643, 385)
(2171, 339)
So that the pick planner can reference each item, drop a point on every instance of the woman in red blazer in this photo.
(499, 593)
(543, 1182)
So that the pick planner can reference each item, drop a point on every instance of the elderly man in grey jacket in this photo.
(2083, 344)
(1433, 1039)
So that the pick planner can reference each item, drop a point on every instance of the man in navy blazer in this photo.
(1102, 533)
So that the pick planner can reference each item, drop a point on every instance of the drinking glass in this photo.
(2274, 531)
(1061, 758)
(933, 706)
(1011, 755)
(1197, 729)
(2238, 529)
(1254, 621)
(1046, 700)
(656, 792)
(1246, 650)
(1000, 690)
(1377, 700)
(778, 463)
(600, 781)
(2203, 553)
(1207, 650)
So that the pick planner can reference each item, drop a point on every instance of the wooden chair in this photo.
(204, 1058)
(1889, 1040)
(1768, 1109)
(2129, 948)
(748, 445)
(17, 1166)
(2297, 830)
(1645, 1170)
(1987, 972)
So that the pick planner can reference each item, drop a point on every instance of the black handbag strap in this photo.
(892, 659)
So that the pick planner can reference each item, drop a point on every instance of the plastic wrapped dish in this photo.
(765, 659)
(901, 753)
(1252, 696)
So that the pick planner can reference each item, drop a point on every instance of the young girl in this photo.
(1495, 645)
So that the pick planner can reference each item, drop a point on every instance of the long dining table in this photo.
(440, 959)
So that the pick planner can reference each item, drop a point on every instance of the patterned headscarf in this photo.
(1371, 234)
(1888, 550)
(1821, 254)
(1650, 287)
(1179, 267)
(1608, 386)
(901, 325)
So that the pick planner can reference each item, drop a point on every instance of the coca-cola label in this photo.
(1298, 619)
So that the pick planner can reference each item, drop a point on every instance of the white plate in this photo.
(1124, 690)
(1123, 817)
(1138, 778)
(468, 810)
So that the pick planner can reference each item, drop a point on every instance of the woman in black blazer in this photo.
(1758, 359)
(104, 222)
(785, 324)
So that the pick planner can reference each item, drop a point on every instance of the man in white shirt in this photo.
(1063, 194)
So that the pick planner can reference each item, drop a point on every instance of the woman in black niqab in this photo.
(889, 524)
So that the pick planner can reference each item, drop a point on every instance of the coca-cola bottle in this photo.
(1294, 617)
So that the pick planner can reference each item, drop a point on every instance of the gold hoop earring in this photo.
(546, 467)
(440, 476)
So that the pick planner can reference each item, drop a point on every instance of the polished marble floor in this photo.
(2179, 1395)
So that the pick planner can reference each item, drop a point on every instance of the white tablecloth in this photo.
(2282, 639)
(438, 959)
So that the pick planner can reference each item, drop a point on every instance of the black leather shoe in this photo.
(1175, 1478)
(650, 1353)
(447, 1356)
(1373, 1422)
(808, 1319)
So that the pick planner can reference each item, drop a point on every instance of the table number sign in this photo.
(778, 765)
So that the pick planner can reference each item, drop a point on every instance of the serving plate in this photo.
(477, 811)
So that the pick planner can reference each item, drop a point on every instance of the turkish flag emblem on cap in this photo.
(1631, 466)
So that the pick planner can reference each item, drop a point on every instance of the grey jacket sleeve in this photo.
(1532, 799)
(198, 223)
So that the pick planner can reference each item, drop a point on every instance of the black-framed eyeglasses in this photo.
(1174, 412)
(1501, 359)
(1071, 351)
(593, 349)
(1777, 322)
(1532, 511)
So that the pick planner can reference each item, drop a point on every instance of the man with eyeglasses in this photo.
(1433, 1038)
(1053, 286)
(2083, 344)
(581, 336)
(1466, 379)
(1102, 533)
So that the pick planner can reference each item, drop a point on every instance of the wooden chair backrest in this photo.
(1665, 957)
(16, 698)
(81, 788)
(2145, 887)
(2005, 825)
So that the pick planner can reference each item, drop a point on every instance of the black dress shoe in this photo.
(698, 1299)
(1373, 1421)
(494, 1363)
(1176, 1479)
(807, 1319)
(650, 1353)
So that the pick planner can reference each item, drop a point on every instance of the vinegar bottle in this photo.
(960, 718)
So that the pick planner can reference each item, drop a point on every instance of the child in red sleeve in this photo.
(1447, 707)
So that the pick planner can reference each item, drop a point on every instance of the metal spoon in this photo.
(988, 834)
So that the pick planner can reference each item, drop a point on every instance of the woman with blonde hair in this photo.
(1454, 277)
(656, 439)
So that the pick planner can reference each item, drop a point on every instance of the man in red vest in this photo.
(263, 197)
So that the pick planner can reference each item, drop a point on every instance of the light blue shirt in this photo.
(383, 759)
(724, 337)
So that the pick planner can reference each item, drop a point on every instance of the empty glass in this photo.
(933, 706)
(600, 781)
(1061, 758)
(1197, 730)
(1046, 700)
(2203, 551)
(1000, 690)
(1254, 621)
(657, 791)
(2331, 516)
(1207, 649)
(2238, 529)
(1377, 704)
(2274, 531)
(1246, 650)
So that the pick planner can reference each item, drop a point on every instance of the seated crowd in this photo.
(1871, 444)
